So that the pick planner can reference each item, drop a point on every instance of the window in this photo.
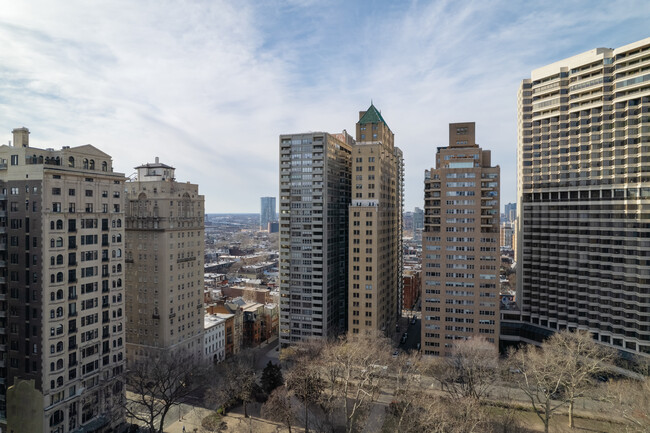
(14, 159)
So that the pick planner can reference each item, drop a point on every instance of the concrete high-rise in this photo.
(164, 265)
(61, 289)
(314, 199)
(418, 219)
(375, 231)
(584, 198)
(460, 245)
(267, 212)
(510, 211)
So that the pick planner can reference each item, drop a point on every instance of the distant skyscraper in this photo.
(267, 213)
(62, 303)
(314, 200)
(375, 245)
(584, 195)
(164, 265)
(510, 210)
(418, 219)
(460, 245)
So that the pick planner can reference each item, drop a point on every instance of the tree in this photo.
(411, 397)
(278, 407)
(630, 399)
(157, 385)
(470, 371)
(236, 382)
(271, 377)
(584, 359)
(356, 368)
(539, 374)
(306, 384)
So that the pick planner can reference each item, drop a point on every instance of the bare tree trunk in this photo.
(245, 409)
(306, 418)
(571, 423)
(547, 415)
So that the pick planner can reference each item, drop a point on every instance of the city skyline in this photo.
(146, 83)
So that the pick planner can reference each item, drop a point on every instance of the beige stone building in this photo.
(507, 232)
(314, 199)
(375, 228)
(460, 246)
(164, 264)
(584, 198)
(61, 289)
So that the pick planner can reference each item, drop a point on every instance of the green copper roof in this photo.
(372, 116)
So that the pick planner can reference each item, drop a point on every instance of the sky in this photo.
(208, 86)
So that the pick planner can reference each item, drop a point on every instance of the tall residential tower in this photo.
(267, 212)
(460, 245)
(164, 265)
(375, 231)
(314, 199)
(584, 198)
(61, 289)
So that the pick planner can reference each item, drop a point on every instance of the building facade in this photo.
(62, 289)
(507, 231)
(510, 212)
(267, 212)
(375, 231)
(164, 264)
(584, 197)
(460, 246)
(314, 198)
(214, 338)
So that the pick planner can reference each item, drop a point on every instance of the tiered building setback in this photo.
(584, 198)
(164, 265)
(460, 245)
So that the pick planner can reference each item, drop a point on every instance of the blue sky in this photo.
(209, 85)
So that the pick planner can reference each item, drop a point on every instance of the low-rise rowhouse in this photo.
(214, 338)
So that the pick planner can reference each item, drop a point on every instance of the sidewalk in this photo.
(191, 421)
(236, 422)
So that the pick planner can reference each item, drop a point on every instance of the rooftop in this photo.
(372, 115)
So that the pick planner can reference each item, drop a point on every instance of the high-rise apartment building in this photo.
(375, 231)
(418, 219)
(267, 212)
(61, 289)
(510, 211)
(584, 197)
(314, 199)
(164, 265)
(460, 245)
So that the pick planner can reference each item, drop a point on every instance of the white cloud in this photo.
(209, 85)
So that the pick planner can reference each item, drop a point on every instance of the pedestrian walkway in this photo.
(235, 422)
(191, 421)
